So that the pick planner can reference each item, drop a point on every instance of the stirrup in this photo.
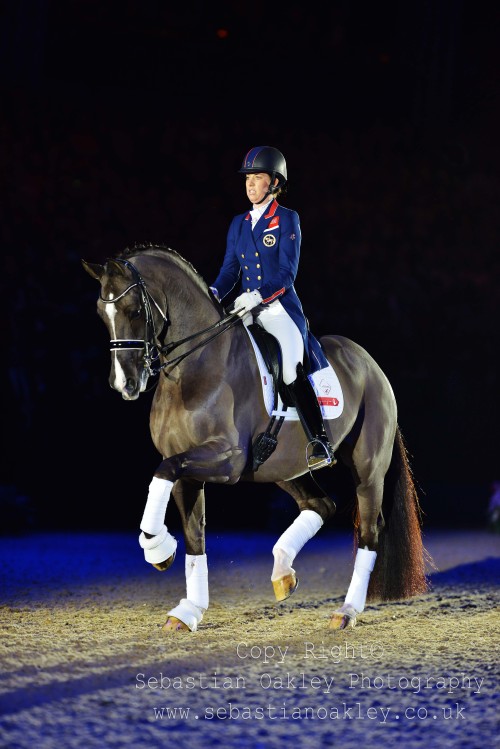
(321, 455)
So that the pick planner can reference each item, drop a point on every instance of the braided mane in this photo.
(159, 250)
(151, 248)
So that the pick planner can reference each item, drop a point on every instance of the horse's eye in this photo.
(135, 314)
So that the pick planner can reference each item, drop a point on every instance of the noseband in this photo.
(149, 342)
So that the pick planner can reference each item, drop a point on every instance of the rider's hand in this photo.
(246, 302)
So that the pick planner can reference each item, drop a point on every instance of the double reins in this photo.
(152, 350)
(224, 324)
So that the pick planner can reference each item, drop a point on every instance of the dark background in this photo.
(127, 121)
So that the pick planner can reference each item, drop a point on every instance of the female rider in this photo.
(262, 257)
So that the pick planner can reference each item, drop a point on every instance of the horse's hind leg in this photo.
(189, 497)
(369, 463)
(315, 508)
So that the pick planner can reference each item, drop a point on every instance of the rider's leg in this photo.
(308, 408)
(275, 319)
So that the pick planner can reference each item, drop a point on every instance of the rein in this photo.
(149, 344)
(224, 324)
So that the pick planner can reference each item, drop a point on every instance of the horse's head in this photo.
(124, 305)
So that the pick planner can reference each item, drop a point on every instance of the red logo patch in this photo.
(328, 401)
(274, 222)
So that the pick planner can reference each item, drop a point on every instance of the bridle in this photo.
(152, 342)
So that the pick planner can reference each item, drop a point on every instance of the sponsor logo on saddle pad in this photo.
(325, 382)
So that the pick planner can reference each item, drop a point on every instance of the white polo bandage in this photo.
(197, 580)
(187, 612)
(303, 528)
(363, 567)
(158, 548)
(156, 506)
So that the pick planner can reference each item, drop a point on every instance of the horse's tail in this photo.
(401, 557)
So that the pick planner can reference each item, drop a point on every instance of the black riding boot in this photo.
(309, 411)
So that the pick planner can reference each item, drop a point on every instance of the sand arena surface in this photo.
(85, 663)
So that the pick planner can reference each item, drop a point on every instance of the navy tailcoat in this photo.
(267, 259)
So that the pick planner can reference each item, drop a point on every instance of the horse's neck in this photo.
(191, 310)
(221, 354)
(189, 316)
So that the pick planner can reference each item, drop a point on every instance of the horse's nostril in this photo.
(130, 385)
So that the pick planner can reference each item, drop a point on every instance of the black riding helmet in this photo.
(269, 160)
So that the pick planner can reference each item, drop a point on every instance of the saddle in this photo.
(265, 444)
(270, 349)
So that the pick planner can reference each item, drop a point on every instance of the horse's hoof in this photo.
(285, 586)
(175, 625)
(162, 566)
(343, 619)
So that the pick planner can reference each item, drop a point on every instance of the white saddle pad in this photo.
(325, 383)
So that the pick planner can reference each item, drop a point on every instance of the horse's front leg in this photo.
(215, 461)
(190, 500)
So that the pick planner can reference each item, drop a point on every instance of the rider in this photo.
(262, 257)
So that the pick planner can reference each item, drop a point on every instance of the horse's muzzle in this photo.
(131, 390)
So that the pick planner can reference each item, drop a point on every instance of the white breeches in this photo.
(276, 320)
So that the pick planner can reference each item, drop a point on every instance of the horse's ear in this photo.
(114, 268)
(94, 269)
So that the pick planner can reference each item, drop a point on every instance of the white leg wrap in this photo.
(188, 613)
(197, 580)
(301, 530)
(191, 609)
(288, 545)
(158, 548)
(156, 506)
(363, 567)
(282, 565)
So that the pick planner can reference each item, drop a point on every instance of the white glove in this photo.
(247, 301)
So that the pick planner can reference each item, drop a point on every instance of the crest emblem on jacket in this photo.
(269, 240)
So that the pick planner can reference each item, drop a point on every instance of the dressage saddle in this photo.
(265, 444)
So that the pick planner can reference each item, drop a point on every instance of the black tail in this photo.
(401, 558)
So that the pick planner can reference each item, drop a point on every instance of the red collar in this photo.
(272, 209)
(273, 206)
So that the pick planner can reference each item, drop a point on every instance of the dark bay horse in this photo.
(206, 412)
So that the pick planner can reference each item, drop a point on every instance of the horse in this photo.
(207, 411)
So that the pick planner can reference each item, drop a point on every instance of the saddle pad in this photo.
(325, 383)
